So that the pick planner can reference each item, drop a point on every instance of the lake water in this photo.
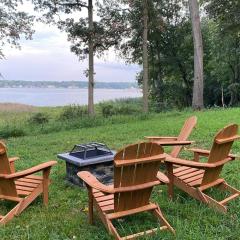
(62, 96)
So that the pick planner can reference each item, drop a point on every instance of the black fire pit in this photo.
(94, 157)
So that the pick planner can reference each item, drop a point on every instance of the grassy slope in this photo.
(65, 217)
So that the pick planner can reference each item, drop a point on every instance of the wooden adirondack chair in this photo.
(186, 130)
(21, 187)
(135, 175)
(195, 177)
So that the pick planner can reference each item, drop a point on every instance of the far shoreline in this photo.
(66, 84)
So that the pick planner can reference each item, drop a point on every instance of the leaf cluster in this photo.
(13, 24)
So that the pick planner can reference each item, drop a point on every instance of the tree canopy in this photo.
(13, 24)
(171, 51)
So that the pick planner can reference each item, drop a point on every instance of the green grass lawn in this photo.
(66, 218)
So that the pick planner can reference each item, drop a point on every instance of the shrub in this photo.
(72, 112)
(127, 110)
(11, 131)
(121, 107)
(39, 118)
(107, 110)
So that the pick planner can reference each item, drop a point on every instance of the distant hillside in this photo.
(65, 84)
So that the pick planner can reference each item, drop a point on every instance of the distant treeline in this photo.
(64, 84)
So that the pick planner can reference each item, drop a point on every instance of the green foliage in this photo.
(222, 70)
(121, 107)
(14, 24)
(73, 112)
(10, 130)
(126, 110)
(171, 50)
(48, 120)
(107, 109)
(78, 29)
(39, 118)
(170, 47)
(225, 11)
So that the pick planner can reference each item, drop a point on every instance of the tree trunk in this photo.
(197, 101)
(91, 60)
(145, 56)
(223, 103)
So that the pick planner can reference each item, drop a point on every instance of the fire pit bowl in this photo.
(94, 157)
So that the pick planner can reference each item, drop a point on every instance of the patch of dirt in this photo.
(16, 107)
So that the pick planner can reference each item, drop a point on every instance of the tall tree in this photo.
(169, 41)
(225, 11)
(197, 101)
(91, 60)
(145, 56)
(224, 24)
(88, 37)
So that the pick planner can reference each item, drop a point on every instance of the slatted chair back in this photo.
(220, 150)
(186, 130)
(135, 174)
(7, 187)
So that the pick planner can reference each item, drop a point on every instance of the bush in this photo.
(127, 110)
(121, 107)
(107, 110)
(11, 131)
(73, 112)
(39, 118)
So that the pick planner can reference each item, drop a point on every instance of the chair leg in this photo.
(28, 200)
(10, 215)
(157, 212)
(169, 167)
(45, 185)
(90, 205)
(225, 186)
(113, 230)
(215, 204)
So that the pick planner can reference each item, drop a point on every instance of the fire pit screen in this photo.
(90, 151)
(94, 157)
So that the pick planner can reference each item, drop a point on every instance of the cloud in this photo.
(48, 57)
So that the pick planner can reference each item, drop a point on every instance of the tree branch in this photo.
(74, 4)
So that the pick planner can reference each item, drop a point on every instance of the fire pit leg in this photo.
(90, 205)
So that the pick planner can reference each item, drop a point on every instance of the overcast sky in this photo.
(47, 58)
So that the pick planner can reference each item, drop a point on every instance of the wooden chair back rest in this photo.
(7, 187)
(135, 174)
(186, 130)
(220, 150)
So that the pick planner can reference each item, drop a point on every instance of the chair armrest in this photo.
(194, 164)
(233, 157)
(12, 163)
(203, 152)
(226, 140)
(92, 182)
(162, 177)
(38, 168)
(13, 159)
(156, 138)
